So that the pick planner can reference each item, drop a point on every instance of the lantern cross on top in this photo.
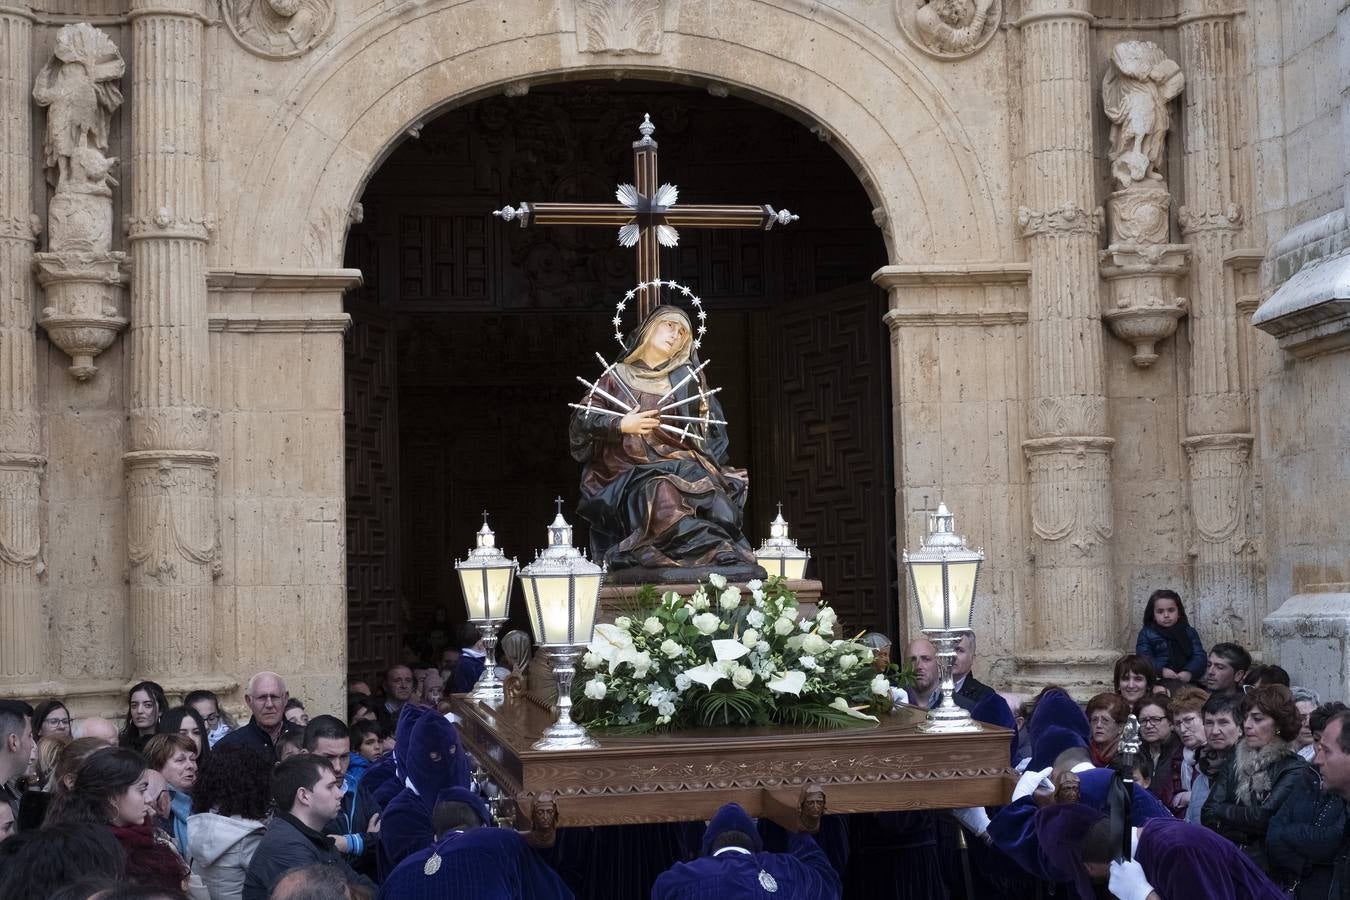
(647, 216)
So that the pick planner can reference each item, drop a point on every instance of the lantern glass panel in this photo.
(927, 579)
(961, 591)
(492, 603)
(795, 568)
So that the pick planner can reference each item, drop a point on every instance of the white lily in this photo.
(788, 683)
(707, 675)
(841, 704)
(726, 650)
(607, 641)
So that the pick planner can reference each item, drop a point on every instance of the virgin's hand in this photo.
(644, 422)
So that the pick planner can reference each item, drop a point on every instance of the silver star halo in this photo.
(693, 299)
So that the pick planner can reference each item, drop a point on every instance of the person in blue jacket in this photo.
(1168, 640)
(734, 865)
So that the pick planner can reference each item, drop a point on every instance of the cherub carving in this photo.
(1138, 85)
(952, 26)
(77, 85)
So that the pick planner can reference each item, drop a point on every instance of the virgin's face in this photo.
(181, 770)
(144, 710)
(132, 806)
(1165, 612)
(666, 338)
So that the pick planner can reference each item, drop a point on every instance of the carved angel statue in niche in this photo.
(952, 26)
(78, 87)
(1138, 85)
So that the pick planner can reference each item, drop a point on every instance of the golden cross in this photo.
(647, 215)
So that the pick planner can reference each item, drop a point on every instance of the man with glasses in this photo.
(266, 698)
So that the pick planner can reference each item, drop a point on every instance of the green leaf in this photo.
(727, 708)
(817, 715)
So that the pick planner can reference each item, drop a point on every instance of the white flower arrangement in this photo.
(721, 657)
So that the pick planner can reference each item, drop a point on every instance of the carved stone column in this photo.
(22, 626)
(171, 471)
(1218, 422)
(1070, 632)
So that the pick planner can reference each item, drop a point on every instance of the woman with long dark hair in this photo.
(1168, 641)
(187, 721)
(112, 789)
(145, 705)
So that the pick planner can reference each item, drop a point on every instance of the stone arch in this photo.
(387, 72)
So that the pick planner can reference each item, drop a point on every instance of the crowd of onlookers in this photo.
(1239, 787)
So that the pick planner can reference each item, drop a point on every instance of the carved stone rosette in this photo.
(949, 29)
(279, 29)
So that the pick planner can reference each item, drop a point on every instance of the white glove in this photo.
(1030, 781)
(974, 818)
(1128, 881)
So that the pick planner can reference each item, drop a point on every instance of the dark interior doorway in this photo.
(469, 332)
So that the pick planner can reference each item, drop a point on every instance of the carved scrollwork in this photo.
(1070, 497)
(1220, 475)
(278, 29)
(619, 26)
(1066, 219)
(171, 505)
(949, 29)
(20, 539)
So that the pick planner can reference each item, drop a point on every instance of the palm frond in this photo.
(817, 715)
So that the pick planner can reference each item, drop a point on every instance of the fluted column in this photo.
(1068, 452)
(171, 471)
(22, 627)
(1218, 422)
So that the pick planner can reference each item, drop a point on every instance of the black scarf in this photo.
(1178, 645)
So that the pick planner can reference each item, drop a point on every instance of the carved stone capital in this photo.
(1067, 219)
(1227, 219)
(1058, 417)
(164, 223)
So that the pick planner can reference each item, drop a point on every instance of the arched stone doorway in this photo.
(468, 332)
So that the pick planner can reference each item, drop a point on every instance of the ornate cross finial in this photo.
(780, 508)
(485, 515)
(647, 128)
(559, 501)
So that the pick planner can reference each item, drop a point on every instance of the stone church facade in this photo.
(1116, 238)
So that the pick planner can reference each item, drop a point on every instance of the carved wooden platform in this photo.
(687, 776)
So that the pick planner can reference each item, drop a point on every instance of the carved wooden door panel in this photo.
(371, 420)
(832, 446)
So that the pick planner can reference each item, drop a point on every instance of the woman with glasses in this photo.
(207, 705)
(1262, 776)
(1106, 715)
(51, 718)
(1161, 747)
(1188, 724)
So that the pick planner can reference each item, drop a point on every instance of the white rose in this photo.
(682, 682)
(754, 584)
(642, 664)
(742, 677)
(671, 649)
(595, 689)
(755, 618)
(880, 686)
(807, 662)
(624, 623)
(762, 647)
(666, 709)
(592, 660)
(847, 661)
(750, 637)
(729, 599)
(717, 581)
(652, 625)
(782, 626)
(700, 599)
(815, 644)
(706, 622)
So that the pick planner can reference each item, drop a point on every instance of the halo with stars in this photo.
(693, 299)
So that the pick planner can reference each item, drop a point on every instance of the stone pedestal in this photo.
(1310, 636)
(1143, 307)
(84, 299)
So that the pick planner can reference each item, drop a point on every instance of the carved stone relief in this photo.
(619, 26)
(81, 274)
(278, 29)
(949, 29)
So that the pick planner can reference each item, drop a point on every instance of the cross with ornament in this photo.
(647, 216)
